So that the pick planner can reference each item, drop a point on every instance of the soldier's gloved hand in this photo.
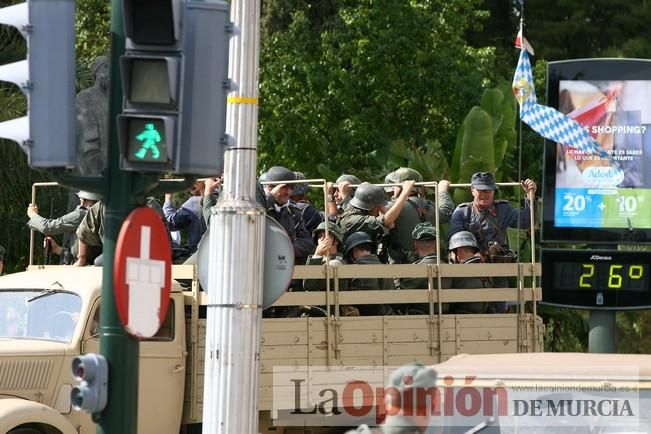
(444, 184)
(32, 210)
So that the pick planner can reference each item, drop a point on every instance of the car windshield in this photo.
(39, 314)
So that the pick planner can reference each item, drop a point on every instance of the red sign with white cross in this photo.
(143, 273)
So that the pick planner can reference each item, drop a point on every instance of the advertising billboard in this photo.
(588, 198)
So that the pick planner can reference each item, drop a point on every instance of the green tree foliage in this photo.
(344, 88)
(93, 30)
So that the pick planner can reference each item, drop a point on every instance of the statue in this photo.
(92, 121)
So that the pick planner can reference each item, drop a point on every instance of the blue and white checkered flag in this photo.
(549, 122)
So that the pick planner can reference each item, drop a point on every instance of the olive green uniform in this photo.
(67, 223)
(91, 228)
(356, 220)
(415, 210)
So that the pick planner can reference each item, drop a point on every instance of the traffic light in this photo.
(47, 78)
(91, 370)
(174, 76)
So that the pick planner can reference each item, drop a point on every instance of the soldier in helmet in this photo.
(360, 249)
(340, 193)
(310, 215)
(392, 192)
(281, 208)
(488, 219)
(464, 249)
(411, 400)
(425, 241)
(366, 211)
(66, 224)
(418, 209)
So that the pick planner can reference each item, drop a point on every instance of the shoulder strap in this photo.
(468, 206)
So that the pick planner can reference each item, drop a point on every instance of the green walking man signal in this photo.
(149, 137)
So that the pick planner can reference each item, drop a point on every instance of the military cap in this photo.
(332, 229)
(424, 231)
(89, 195)
(483, 181)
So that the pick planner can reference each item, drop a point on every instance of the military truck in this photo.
(48, 315)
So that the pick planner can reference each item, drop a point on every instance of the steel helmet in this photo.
(357, 239)
(350, 178)
(368, 196)
(301, 188)
(334, 229)
(407, 174)
(277, 174)
(463, 239)
(390, 178)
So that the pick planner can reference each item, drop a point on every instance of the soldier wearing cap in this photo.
(66, 224)
(309, 214)
(464, 249)
(366, 211)
(418, 209)
(425, 241)
(411, 399)
(488, 219)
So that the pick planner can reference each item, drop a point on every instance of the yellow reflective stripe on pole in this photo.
(242, 100)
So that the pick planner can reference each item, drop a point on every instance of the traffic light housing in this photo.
(90, 395)
(47, 78)
(174, 76)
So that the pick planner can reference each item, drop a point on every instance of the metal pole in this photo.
(601, 338)
(237, 224)
(121, 351)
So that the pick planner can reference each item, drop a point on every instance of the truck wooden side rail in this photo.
(339, 341)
